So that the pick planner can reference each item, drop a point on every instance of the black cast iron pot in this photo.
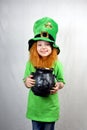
(44, 81)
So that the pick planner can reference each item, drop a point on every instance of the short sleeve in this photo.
(58, 71)
(28, 69)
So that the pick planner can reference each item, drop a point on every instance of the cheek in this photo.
(38, 49)
(50, 50)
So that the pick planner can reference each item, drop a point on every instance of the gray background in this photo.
(16, 22)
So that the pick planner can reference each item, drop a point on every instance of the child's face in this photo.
(44, 48)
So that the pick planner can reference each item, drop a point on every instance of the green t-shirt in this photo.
(45, 109)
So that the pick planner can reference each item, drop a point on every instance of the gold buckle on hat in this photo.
(44, 34)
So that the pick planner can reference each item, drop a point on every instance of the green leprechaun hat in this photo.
(45, 29)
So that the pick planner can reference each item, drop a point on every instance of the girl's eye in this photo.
(38, 44)
(48, 44)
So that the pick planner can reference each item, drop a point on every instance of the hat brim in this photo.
(31, 41)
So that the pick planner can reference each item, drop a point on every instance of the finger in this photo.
(52, 91)
(30, 85)
(30, 76)
(30, 80)
(56, 88)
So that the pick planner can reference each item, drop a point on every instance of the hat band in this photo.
(45, 35)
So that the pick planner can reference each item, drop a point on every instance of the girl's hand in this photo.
(58, 85)
(29, 82)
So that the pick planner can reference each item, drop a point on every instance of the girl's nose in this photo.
(43, 46)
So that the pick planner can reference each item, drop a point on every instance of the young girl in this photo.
(43, 111)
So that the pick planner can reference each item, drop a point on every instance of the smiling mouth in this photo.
(44, 51)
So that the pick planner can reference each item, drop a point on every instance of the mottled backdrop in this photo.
(16, 22)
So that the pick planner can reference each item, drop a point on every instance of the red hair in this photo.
(39, 61)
